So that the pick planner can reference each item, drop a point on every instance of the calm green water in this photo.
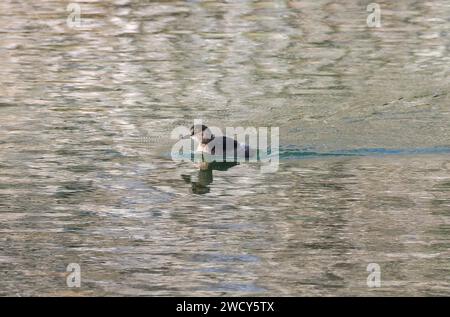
(85, 175)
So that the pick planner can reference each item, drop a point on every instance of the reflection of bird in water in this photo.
(205, 175)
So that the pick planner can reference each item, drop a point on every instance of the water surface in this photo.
(364, 174)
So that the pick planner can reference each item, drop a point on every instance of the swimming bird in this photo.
(220, 145)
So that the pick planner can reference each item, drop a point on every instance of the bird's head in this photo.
(201, 133)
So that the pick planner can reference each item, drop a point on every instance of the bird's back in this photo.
(228, 148)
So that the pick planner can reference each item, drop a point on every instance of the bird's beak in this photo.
(185, 137)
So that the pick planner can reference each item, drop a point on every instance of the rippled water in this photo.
(86, 115)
